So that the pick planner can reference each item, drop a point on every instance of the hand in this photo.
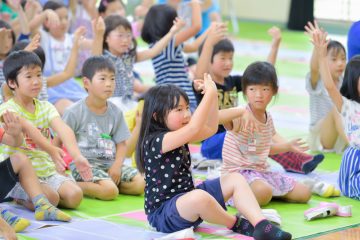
(84, 168)
(320, 42)
(14, 5)
(52, 19)
(178, 24)
(217, 32)
(32, 7)
(199, 85)
(34, 43)
(209, 84)
(275, 33)
(246, 122)
(297, 145)
(79, 36)
(115, 174)
(98, 26)
(8, 233)
(310, 28)
(12, 124)
(57, 155)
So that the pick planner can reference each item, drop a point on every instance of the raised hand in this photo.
(217, 32)
(209, 84)
(98, 26)
(79, 35)
(320, 42)
(52, 19)
(34, 43)
(310, 28)
(178, 24)
(275, 33)
(12, 124)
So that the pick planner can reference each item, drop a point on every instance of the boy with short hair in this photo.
(17, 168)
(216, 57)
(22, 71)
(101, 133)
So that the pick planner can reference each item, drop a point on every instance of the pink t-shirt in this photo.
(248, 150)
(2, 131)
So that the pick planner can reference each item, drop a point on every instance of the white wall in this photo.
(264, 10)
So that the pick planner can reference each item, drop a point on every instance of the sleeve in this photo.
(51, 110)
(120, 131)
(272, 126)
(237, 80)
(69, 117)
(154, 143)
(2, 132)
(319, 89)
(170, 50)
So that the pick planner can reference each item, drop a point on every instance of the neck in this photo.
(59, 38)
(116, 53)
(96, 105)
(218, 79)
(259, 114)
(26, 103)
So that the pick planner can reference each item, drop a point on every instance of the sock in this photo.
(242, 226)
(264, 230)
(46, 211)
(309, 166)
(16, 222)
(323, 189)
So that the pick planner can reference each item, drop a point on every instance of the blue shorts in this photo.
(167, 218)
(211, 148)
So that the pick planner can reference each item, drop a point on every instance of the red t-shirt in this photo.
(2, 131)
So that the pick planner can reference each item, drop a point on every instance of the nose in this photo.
(187, 113)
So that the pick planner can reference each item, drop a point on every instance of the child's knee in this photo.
(72, 197)
(262, 192)
(138, 183)
(19, 160)
(108, 192)
(304, 193)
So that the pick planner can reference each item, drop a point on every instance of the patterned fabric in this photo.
(2, 80)
(349, 174)
(41, 119)
(350, 114)
(292, 161)
(124, 78)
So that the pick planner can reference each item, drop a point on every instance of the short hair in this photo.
(349, 87)
(53, 5)
(259, 73)
(224, 45)
(104, 3)
(39, 51)
(6, 25)
(16, 61)
(95, 64)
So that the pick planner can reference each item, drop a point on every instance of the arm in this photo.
(49, 17)
(191, 131)
(296, 145)
(194, 45)
(320, 47)
(98, 26)
(67, 136)
(196, 24)
(90, 8)
(23, 21)
(115, 169)
(275, 33)
(161, 44)
(6, 230)
(134, 137)
(70, 68)
(314, 63)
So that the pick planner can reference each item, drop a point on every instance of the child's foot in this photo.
(309, 166)
(45, 211)
(264, 230)
(17, 223)
(243, 226)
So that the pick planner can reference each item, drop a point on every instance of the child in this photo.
(246, 151)
(18, 168)
(216, 56)
(119, 46)
(23, 74)
(101, 132)
(172, 203)
(347, 103)
(326, 130)
(170, 65)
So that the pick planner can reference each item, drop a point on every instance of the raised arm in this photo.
(191, 131)
(314, 62)
(70, 68)
(13, 133)
(48, 16)
(320, 50)
(275, 33)
(162, 43)
(98, 26)
(23, 21)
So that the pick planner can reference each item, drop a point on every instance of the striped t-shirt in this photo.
(320, 101)
(169, 68)
(41, 118)
(247, 150)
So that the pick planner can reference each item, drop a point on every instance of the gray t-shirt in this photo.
(97, 135)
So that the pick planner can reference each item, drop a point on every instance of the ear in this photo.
(86, 82)
(154, 116)
(12, 84)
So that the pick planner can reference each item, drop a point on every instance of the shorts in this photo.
(211, 148)
(167, 218)
(8, 178)
(127, 173)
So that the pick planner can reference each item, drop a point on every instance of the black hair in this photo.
(104, 3)
(260, 73)
(158, 102)
(224, 45)
(95, 64)
(158, 22)
(114, 21)
(53, 5)
(38, 51)
(6, 25)
(349, 87)
(16, 61)
(336, 47)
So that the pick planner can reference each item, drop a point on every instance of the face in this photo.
(29, 82)
(337, 63)
(119, 40)
(259, 96)
(178, 117)
(222, 64)
(114, 8)
(60, 30)
(7, 43)
(102, 84)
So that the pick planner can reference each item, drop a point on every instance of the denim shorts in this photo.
(167, 218)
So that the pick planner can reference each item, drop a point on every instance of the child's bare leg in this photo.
(300, 194)
(70, 195)
(207, 208)
(62, 104)
(331, 129)
(135, 187)
(262, 191)
(49, 193)
(103, 189)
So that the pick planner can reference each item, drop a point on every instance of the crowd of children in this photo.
(45, 112)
